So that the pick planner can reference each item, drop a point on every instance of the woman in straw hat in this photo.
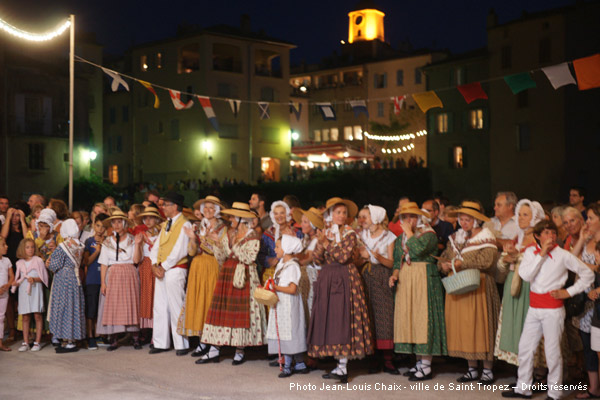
(419, 325)
(120, 284)
(281, 219)
(339, 325)
(144, 241)
(235, 318)
(377, 251)
(204, 270)
(472, 318)
(515, 299)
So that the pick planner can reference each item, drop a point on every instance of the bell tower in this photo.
(366, 23)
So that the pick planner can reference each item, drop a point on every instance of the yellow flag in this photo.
(427, 100)
(151, 89)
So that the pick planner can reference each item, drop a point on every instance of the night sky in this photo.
(315, 26)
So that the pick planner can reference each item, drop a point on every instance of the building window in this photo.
(326, 135)
(358, 132)
(523, 99)
(267, 63)
(158, 60)
(545, 50)
(418, 76)
(112, 115)
(476, 119)
(144, 63)
(506, 57)
(442, 123)
(125, 113)
(174, 129)
(227, 90)
(460, 76)
(113, 174)
(119, 144)
(228, 131)
(189, 59)
(458, 160)
(317, 135)
(226, 57)
(380, 109)
(380, 81)
(400, 77)
(233, 160)
(334, 134)
(348, 133)
(523, 137)
(267, 94)
(36, 156)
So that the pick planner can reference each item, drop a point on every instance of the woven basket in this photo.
(462, 282)
(266, 296)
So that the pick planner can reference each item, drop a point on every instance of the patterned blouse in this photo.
(341, 252)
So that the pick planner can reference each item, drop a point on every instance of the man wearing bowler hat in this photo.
(169, 257)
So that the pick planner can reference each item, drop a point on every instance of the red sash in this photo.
(545, 300)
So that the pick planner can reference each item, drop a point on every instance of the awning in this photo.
(331, 151)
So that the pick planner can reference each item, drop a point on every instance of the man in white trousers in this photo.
(170, 262)
(546, 267)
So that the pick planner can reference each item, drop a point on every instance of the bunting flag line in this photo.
(208, 110)
(472, 92)
(587, 70)
(263, 106)
(359, 107)
(519, 82)
(427, 100)
(235, 106)
(559, 75)
(327, 111)
(116, 80)
(151, 89)
(177, 103)
(296, 108)
(398, 103)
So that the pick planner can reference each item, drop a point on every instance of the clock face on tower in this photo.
(358, 20)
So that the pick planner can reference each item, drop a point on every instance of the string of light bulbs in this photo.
(395, 138)
(398, 150)
(34, 37)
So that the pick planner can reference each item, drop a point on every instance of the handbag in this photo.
(239, 276)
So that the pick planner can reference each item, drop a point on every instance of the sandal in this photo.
(487, 377)
(4, 348)
(470, 376)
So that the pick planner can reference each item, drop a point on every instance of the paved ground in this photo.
(131, 374)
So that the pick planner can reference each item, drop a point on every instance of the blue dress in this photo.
(67, 318)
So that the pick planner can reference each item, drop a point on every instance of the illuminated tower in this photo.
(366, 23)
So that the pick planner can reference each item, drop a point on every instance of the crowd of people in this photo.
(434, 280)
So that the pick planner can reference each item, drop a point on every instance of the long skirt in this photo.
(339, 323)
(67, 316)
(381, 303)
(146, 292)
(118, 311)
(202, 280)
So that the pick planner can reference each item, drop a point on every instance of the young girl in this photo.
(6, 279)
(286, 320)
(31, 272)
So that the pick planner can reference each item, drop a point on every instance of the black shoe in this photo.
(285, 374)
(391, 371)
(200, 353)
(302, 371)
(214, 359)
(274, 363)
(415, 378)
(408, 373)
(374, 370)
(62, 350)
(469, 377)
(156, 350)
(112, 347)
(341, 378)
(514, 395)
(151, 346)
(137, 345)
(182, 352)
(238, 362)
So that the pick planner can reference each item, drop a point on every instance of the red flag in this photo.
(587, 70)
(472, 92)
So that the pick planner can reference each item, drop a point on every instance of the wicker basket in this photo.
(462, 282)
(265, 295)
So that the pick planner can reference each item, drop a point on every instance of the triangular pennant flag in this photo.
(559, 75)
(519, 82)
(208, 110)
(587, 70)
(235, 106)
(398, 102)
(359, 107)
(427, 100)
(151, 89)
(472, 92)
(263, 106)
(296, 108)
(177, 103)
(327, 111)
(117, 80)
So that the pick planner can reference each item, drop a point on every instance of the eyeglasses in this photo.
(168, 204)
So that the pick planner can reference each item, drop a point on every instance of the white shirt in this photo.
(146, 248)
(5, 265)
(378, 245)
(510, 229)
(180, 249)
(551, 272)
(108, 253)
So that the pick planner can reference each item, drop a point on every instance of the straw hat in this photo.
(208, 199)
(313, 215)
(240, 209)
(148, 212)
(117, 214)
(413, 208)
(352, 207)
(189, 214)
(473, 209)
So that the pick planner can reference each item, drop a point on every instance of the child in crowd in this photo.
(93, 245)
(31, 273)
(35, 214)
(286, 319)
(6, 280)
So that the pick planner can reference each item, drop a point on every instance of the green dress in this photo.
(421, 248)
